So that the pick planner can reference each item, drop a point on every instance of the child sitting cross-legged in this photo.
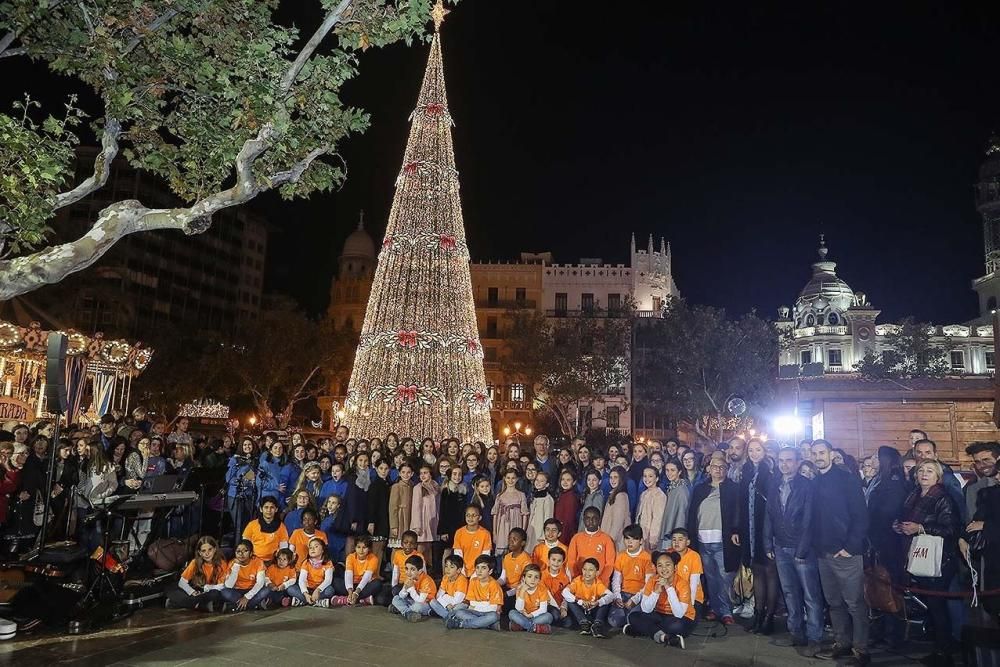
(633, 568)
(588, 599)
(281, 575)
(531, 608)
(407, 549)
(513, 564)
(454, 586)
(360, 583)
(201, 580)
(416, 592)
(556, 579)
(315, 584)
(244, 587)
(666, 613)
(484, 597)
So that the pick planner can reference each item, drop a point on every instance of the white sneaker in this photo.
(325, 603)
(625, 630)
(296, 602)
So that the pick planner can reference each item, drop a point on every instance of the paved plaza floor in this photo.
(371, 636)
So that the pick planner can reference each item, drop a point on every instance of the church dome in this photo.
(825, 298)
(359, 244)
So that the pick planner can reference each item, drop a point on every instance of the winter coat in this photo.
(649, 516)
(754, 551)
(567, 510)
(675, 514)
(595, 499)
(400, 498)
(542, 509)
(616, 516)
(510, 510)
(452, 514)
(424, 512)
(378, 507)
(729, 507)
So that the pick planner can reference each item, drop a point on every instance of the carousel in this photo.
(99, 373)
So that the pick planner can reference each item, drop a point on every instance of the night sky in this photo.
(738, 133)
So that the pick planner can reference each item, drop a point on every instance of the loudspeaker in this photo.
(55, 374)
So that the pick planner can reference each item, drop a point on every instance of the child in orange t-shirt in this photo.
(315, 583)
(551, 531)
(201, 580)
(666, 613)
(454, 587)
(690, 566)
(588, 600)
(513, 564)
(592, 543)
(485, 598)
(531, 610)
(361, 582)
(267, 532)
(244, 587)
(280, 575)
(473, 540)
(633, 568)
(407, 548)
(300, 537)
(418, 589)
(556, 579)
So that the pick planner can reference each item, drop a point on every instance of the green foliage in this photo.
(691, 361)
(908, 352)
(35, 162)
(190, 81)
(567, 360)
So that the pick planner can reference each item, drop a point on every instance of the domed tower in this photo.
(353, 282)
(988, 205)
(825, 298)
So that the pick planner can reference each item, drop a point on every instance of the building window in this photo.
(989, 360)
(491, 327)
(805, 357)
(561, 303)
(587, 303)
(833, 319)
(957, 360)
(835, 358)
(517, 392)
(520, 295)
(819, 319)
(614, 303)
(810, 320)
(583, 422)
(613, 416)
(491, 391)
(492, 296)
(489, 354)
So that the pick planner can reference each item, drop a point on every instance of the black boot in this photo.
(758, 620)
(767, 627)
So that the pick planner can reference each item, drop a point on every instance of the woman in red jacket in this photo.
(567, 508)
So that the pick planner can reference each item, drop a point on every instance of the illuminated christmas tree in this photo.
(419, 367)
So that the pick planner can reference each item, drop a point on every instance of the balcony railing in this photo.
(511, 405)
(506, 304)
(595, 312)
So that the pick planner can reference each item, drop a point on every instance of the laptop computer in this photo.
(158, 484)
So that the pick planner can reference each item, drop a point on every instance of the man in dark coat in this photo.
(713, 522)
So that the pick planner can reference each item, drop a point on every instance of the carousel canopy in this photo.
(119, 356)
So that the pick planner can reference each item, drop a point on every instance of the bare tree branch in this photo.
(102, 166)
(332, 18)
(10, 53)
(8, 39)
(153, 26)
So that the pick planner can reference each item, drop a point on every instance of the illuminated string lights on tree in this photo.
(419, 366)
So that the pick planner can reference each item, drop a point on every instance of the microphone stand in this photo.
(39, 548)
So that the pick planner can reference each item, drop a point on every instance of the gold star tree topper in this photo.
(438, 14)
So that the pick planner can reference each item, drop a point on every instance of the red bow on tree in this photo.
(447, 242)
(406, 394)
(479, 398)
(410, 168)
(387, 242)
(472, 345)
(435, 109)
(406, 338)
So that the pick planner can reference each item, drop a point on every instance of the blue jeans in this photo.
(618, 616)
(295, 593)
(595, 615)
(719, 581)
(802, 589)
(529, 622)
(233, 595)
(641, 624)
(439, 609)
(406, 604)
(476, 620)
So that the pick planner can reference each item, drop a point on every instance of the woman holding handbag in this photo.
(885, 496)
(933, 525)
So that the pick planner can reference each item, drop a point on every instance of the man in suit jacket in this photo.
(713, 522)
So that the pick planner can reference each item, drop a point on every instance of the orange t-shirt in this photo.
(489, 592)
(358, 567)
(315, 575)
(689, 564)
(555, 583)
(399, 560)
(265, 544)
(634, 570)
(247, 576)
(683, 588)
(299, 542)
(533, 600)
(424, 584)
(460, 585)
(472, 545)
(541, 553)
(599, 546)
(276, 576)
(221, 570)
(513, 566)
(589, 592)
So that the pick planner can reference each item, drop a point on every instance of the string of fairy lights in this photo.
(419, 366)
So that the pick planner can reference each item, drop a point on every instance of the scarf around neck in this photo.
(269, 527)
(364, 479)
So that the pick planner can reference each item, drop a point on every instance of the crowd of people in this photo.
(641, 538)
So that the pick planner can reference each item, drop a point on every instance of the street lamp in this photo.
(787, 427)
(253, 420)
